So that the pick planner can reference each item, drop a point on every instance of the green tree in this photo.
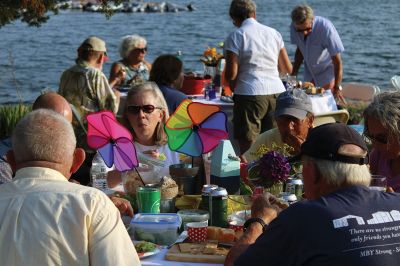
(36, 12)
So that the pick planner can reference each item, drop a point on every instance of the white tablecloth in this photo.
(158, 260)
(323, 103)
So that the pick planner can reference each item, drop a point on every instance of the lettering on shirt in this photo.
(374, 236)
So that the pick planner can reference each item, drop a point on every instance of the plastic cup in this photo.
(148, 199)
(378, 182)
(197, 232)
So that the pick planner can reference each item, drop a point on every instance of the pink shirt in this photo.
(380, 165)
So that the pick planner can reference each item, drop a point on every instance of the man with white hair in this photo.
(51, 221)
(343, 222)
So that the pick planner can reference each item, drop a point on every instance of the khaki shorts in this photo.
(252, 115)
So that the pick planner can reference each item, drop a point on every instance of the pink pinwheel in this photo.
(113, 141)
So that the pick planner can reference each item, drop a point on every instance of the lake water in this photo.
(32, 59)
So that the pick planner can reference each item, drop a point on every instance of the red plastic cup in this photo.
(236, 225)
(197, 232)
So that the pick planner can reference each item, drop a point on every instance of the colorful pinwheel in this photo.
(196, 128)
(113, 141)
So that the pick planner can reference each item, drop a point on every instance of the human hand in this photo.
(123, 205)
(338, 95)
(265, 207)
(389, 189)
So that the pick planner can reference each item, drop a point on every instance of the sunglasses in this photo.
(378, 138)
(142, 50)
(147, 108)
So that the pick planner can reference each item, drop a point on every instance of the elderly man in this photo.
(255, 54)
(343, 222)
(319, 46)
(294, 117)
(86, 87)
(51, 221)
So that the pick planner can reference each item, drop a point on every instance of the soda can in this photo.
(295, 186)
(207, 189)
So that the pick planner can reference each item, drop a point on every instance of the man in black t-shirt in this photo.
(343, 223)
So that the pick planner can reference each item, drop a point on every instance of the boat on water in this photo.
(127, 6)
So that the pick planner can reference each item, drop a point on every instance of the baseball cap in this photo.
(95, 44)
(323, 142)
(295, 103)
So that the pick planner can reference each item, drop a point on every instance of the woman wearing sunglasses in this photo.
(145, 115)
(382, 129)
(132, 49)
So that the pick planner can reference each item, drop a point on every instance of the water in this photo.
(33, 59)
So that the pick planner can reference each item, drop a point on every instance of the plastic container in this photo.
(98, 172)
(194, 85)
(161, 229)
(192, 215)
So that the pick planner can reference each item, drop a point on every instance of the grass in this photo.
(10, 115)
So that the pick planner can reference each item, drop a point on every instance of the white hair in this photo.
(43, 135)
(338, 173)
(130, 42)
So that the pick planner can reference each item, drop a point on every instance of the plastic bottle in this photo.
(98, 172)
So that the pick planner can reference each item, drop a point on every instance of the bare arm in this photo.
(231, 69)
(117, 75)
(262, 208)
(284, 64)
(338, 69)
(298, 60)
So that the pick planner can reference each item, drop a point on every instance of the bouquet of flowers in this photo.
(211, 57)
(272, 168)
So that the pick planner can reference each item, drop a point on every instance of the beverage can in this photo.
(288, 197)
(148, 199)
(215, 201)
(295, 186)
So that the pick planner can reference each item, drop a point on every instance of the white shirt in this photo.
(46, 220)
(257, 47)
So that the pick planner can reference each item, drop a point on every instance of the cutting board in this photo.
(175, 254)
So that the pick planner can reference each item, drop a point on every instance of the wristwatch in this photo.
(255, 220)
(340, 88)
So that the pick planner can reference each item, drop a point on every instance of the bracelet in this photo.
(255, 220)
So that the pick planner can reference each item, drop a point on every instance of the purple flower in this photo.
(274, 167)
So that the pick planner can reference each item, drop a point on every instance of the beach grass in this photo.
(10, 114)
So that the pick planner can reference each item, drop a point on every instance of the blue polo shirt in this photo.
(318, 48)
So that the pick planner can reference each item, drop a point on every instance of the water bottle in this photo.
(98, 172)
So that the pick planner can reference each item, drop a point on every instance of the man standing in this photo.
(86, 87)
(255, 55)
(319, 46)
(343, 222)
(46, 220)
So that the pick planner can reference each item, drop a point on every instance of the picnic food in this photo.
(207, 248)
(144, 246)
(220, 234)
(169, 188)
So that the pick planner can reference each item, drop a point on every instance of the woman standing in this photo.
(133, 49)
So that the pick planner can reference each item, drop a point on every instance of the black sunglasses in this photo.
(142, 50)
(147, 108)
(378, 138)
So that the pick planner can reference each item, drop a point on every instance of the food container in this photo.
(161, 228)
(197, 232)
(194, 85)
(193, 215)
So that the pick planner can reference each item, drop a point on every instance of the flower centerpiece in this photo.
(272, 168)
(210, 60)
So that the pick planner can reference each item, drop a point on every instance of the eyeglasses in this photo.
(147, 108)
(377, 138)
(142, 50)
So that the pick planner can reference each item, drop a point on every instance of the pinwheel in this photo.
(196, 128)
(112, 140)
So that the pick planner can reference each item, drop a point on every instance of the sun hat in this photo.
(295, 103)
(323, 142)
(94, 44)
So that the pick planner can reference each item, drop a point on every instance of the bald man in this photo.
(55, 102)
(49, 100)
